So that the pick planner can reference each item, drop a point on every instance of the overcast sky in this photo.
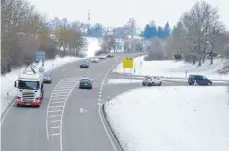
(117, 12)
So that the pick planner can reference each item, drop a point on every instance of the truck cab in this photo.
(29, 88)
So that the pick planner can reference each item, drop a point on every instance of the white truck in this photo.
(29, 87)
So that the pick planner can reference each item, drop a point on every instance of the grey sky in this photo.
(117, 12)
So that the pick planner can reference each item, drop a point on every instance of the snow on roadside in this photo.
(119, 81)
(139, 80)
(170, 68)
(7, 81)
(172, 119)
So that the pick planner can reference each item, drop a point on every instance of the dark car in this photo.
(85, 83)
(47, 78)
(198, 80)
(84, 64)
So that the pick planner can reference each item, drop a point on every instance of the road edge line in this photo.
(109, 129)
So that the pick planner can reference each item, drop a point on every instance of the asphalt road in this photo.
(68, 118)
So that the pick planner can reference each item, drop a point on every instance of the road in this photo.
(68, 118)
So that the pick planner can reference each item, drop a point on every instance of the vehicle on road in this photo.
(151, 81)
(47, 78)
(110, 56)
(103, 56)
(85, 83)
(198, 80)
(84, 64)
(29, 88)
(95, 60)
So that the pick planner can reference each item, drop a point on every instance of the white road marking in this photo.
(55, 127)
(55, 134)
(100, 92)
(58, 99)
(54, 115)
(55, 121)
(62, 90)
(59, 93)
(66, 84)
(99, 99)
(56, 106)
(99, 104)
(47, 134)
(55, 111)
(112, 143)
(99, 110)
(61, 120)
(57, 102)
(100, 95)
(57, 96)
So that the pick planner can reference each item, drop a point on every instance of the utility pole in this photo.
(89, 19)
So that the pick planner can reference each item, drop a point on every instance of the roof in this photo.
(86, 79)
(30, 75)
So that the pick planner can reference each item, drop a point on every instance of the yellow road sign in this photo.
(128, 62)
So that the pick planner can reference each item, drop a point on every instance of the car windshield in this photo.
(31, 85)
(86, 81)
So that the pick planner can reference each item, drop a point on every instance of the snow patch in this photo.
(120, 81)
(171, 118)
(170, 68)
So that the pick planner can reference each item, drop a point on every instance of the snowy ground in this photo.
(7, 82)
(174, 69)
(125, 81)
(195, 120)
(119, 81)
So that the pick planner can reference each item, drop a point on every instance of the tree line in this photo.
(199, 35)
(25, 31)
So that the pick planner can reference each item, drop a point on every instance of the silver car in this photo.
(95, 60)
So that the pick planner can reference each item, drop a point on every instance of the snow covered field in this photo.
(173, 119)
(171, 68)
(7, 81)
(126, 81)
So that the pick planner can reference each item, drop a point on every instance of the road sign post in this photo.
(40, 55)
(127, 62)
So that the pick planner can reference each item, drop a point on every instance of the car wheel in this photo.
(160, 83)
(152, 84)
(209, 83)
(143, 84)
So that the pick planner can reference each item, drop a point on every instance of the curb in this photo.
(110, 129)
